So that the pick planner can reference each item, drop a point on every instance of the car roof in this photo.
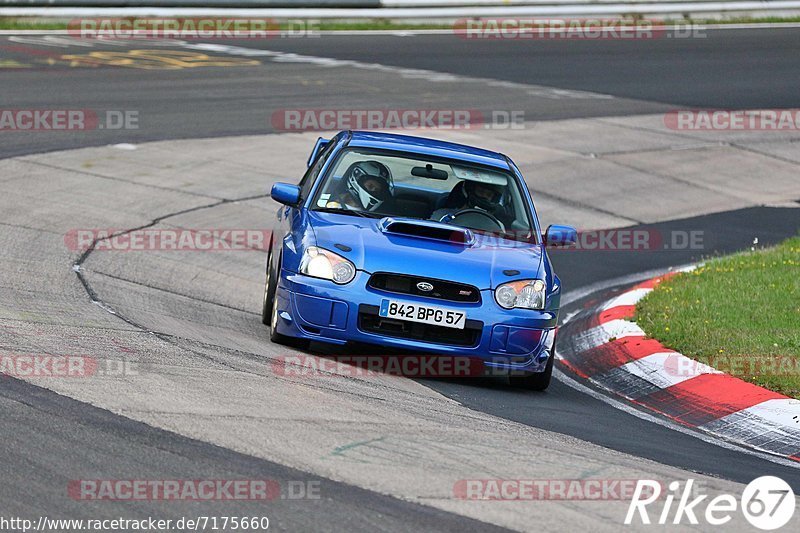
(423, 145)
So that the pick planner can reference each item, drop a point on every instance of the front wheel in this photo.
(269, 292)
(269, 313)
(536, 382)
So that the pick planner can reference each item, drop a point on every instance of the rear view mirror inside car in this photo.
(429, 172)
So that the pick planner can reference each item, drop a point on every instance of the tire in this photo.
(269, 292)
(269, 312)
(536, 382)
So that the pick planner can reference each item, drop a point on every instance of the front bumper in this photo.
(504, 340)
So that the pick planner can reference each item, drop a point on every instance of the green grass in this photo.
(37, 23)
(740, 313)
(33, 23)
(7, 23)
(751, 20)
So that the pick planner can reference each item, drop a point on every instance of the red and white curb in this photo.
(606, 347)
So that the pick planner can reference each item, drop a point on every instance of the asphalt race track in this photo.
(723, 69)
(208, 411)
(727, 69)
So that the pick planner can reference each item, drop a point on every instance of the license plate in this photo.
(426, 314)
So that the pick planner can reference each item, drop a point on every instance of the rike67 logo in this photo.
(767, 503)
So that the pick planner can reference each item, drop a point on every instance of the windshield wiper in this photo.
(343, 211)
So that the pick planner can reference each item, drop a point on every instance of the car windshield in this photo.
(376, 184)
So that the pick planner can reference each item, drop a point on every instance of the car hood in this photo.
(394, 245)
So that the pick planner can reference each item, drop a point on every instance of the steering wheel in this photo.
(470, 214)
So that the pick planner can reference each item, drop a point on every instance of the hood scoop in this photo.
(427, 229)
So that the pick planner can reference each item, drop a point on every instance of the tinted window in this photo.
(381, 183)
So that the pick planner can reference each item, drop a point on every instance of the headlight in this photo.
(321, 263)
(523, 294)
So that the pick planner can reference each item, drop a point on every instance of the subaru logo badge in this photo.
(424, 286)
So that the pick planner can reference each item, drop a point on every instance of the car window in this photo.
(308, 179)
(400, 168)
(423, 188)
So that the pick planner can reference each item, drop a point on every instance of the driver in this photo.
(477, 195)
(366, 185)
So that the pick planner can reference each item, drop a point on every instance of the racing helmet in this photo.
(369, 183)
(481, 202)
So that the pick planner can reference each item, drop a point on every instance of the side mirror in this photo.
(286, 193)
(560, 236)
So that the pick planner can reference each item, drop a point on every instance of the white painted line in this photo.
(617, 329)
(689, 268)
(627, 298)
(617, 404)
(772, 426)
(569, 316)
(602, 334)
(665, 369)
(582, 292)
(409, 73)
(782, 412)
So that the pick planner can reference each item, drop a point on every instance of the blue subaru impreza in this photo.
(417, 244)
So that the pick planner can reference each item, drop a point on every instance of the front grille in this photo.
(442, 290)
(369, 321)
